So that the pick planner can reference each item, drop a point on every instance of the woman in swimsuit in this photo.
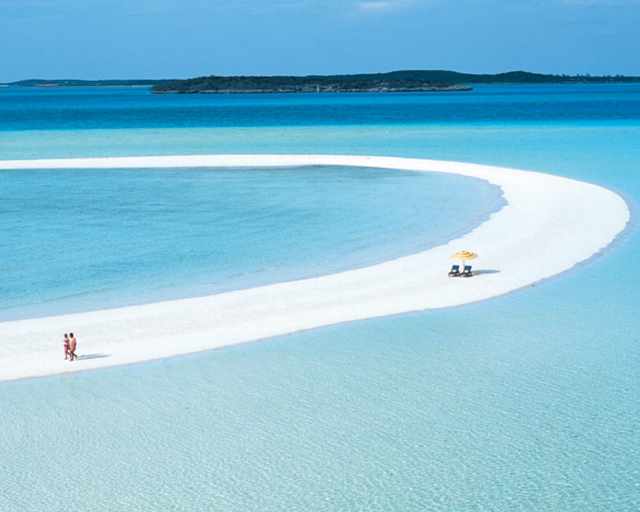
(66, 346)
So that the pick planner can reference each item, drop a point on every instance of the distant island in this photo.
(85, 83)
(301, 84)
(395, 81)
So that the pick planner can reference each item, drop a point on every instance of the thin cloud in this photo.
(375, 6)
(381, 6)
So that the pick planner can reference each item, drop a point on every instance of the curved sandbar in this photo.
(549, 225)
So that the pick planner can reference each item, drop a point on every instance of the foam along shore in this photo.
(549, 225)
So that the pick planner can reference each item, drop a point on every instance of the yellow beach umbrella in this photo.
(463, 256)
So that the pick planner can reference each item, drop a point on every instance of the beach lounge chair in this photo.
(466, 272)
(455, 271)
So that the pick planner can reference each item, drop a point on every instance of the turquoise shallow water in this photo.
(526, 402)
(76, 240)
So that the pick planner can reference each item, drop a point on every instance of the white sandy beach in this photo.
(548, 226)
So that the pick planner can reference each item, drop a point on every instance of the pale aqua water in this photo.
(75, 240)
(526, 402)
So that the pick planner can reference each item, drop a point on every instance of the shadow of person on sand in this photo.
(92, 356)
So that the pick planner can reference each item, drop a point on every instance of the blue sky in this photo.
(185, 38)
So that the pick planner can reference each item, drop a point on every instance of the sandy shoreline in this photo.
(549, 225)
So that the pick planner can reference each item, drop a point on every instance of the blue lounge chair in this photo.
(455, 271)
(466, 272)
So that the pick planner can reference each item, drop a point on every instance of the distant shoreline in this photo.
(56, 86)
(394, 81)
(45, 84)
(324, 90)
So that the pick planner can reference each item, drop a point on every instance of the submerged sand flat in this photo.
(548, 226)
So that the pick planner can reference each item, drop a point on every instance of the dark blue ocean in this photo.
(134, 108)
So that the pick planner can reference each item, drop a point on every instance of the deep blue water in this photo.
(113, 108)
(527, 402)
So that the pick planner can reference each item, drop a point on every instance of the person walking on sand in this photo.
(72, 346)
(66, 346)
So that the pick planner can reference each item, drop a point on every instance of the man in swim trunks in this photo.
(72, 347)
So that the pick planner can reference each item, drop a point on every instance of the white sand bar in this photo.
(549, 225)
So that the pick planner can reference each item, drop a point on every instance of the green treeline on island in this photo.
(396, 81)
(296, 84)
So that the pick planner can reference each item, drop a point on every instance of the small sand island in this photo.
(548, 225)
